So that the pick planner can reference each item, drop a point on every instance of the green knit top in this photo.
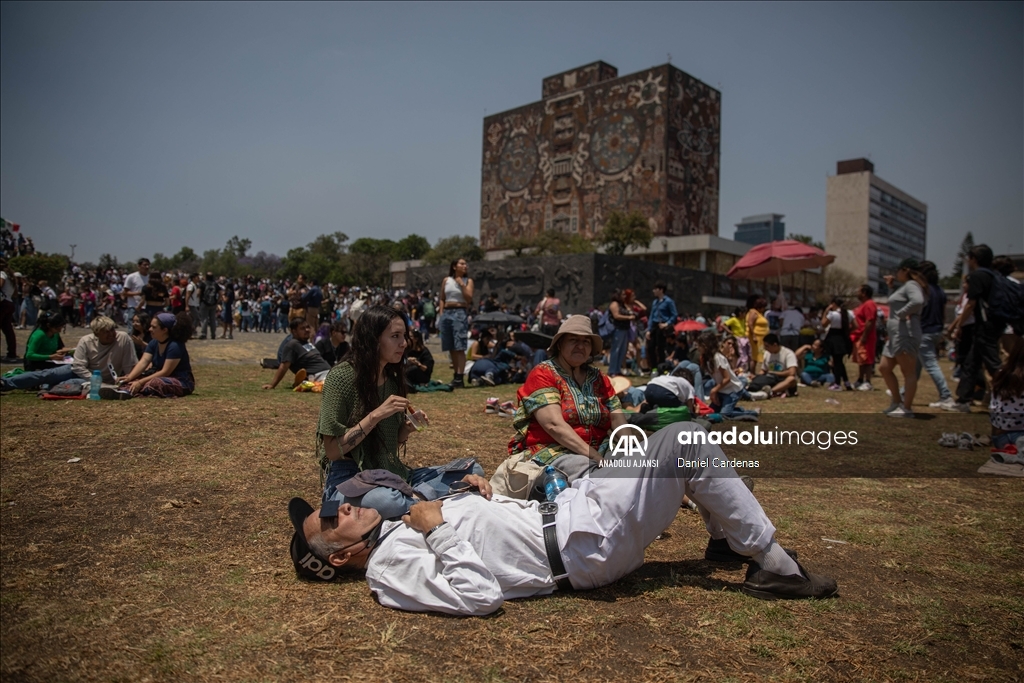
(41, 345)
(339, 410)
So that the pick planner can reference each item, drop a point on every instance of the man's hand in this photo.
(481, 484)
(424, 516)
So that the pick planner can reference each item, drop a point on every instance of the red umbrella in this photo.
(689, 326)
(776, 258)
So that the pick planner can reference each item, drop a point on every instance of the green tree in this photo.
(624, 231)
(552, 242)
(518, 245)
(455, 247)
(108, 262)
(238, 247)
(961, 256)
(39, 266)
(324, 260)
(412, 247)
(160, 263)
(806, 239)
(369, 259)
(837, 282)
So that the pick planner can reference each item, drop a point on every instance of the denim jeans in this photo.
(698, 378)
(824, 378)
(927, 357)
(729, 407)
(34, 380)
(454, 328)
(429, 482)
(620, 340)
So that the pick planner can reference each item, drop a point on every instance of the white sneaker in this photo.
(892, 406)
(956, 407)
(945, 404)
(900, 411)
(865, 386)
(758, 395)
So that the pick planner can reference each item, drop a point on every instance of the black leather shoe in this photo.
(766, 585)
(718, 550)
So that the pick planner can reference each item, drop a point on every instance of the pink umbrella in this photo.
(689, 326)
(776, 258)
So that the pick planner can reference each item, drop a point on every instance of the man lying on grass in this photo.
(469, 553)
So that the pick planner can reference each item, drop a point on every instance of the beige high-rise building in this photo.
(871, 225)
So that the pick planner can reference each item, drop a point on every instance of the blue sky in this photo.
(140, 128)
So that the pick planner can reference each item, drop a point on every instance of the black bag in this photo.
(210, 294)
(1005, 299)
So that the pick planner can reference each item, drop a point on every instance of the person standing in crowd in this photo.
(133, 285)
(757, 328)
(983, 353)
(864, 337)
(193, 291)
(31, 297)
(7, 313)
(790, 322)
(837, 341)
(155, 294)
(167, 357)
(550, 313)
(904, 328)
(660, 321)
(932, 321)
(456, 298)
(227, 313)
(622, 317)
(311, 300)
(209, 299)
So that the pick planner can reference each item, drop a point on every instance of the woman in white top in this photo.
(904, 328)
(727, 389)
(837, 340)
(456, 298)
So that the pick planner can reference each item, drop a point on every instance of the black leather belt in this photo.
(548, 512)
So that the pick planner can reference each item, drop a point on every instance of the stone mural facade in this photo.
(598, 142)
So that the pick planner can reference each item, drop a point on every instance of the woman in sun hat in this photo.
(567, 406)
(904, 328)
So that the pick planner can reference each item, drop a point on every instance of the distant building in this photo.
(767, 227)
(871, 225)
(597, 142)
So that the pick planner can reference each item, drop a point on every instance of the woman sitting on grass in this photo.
(140, 332)
(419, 361)
(362, 422)
(816, 364)
(165, 370)
(45, 345)
(726, 389)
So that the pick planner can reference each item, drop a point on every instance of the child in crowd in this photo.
(1006, 412)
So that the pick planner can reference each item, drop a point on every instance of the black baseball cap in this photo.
(308, 565)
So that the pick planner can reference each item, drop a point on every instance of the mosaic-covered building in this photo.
(597, 143)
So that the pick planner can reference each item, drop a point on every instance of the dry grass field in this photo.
(162, 554)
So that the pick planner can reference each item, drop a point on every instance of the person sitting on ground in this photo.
(106, 347)
(419, 362)
(487, 368)
(362, 423)
(726, 389)
(164, 371)
(671, 391)
(299, 355)
(776, 375)
(332, 346)
(468, 554)
(140, 335)
(816, 364)
(45, 349)
(567, 406)
(1006, 413)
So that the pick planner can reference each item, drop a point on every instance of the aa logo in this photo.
(323, 571)
(626, 444)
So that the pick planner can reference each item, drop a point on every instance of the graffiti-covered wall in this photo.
(596, 143)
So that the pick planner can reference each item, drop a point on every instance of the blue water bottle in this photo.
(94, 385)
(554, 483)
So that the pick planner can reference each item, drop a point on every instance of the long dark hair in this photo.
(451, 266)
(708, 343)
(844, 324)
(1008, 383)
(181, 331)
(49, 320)
(364, 357)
